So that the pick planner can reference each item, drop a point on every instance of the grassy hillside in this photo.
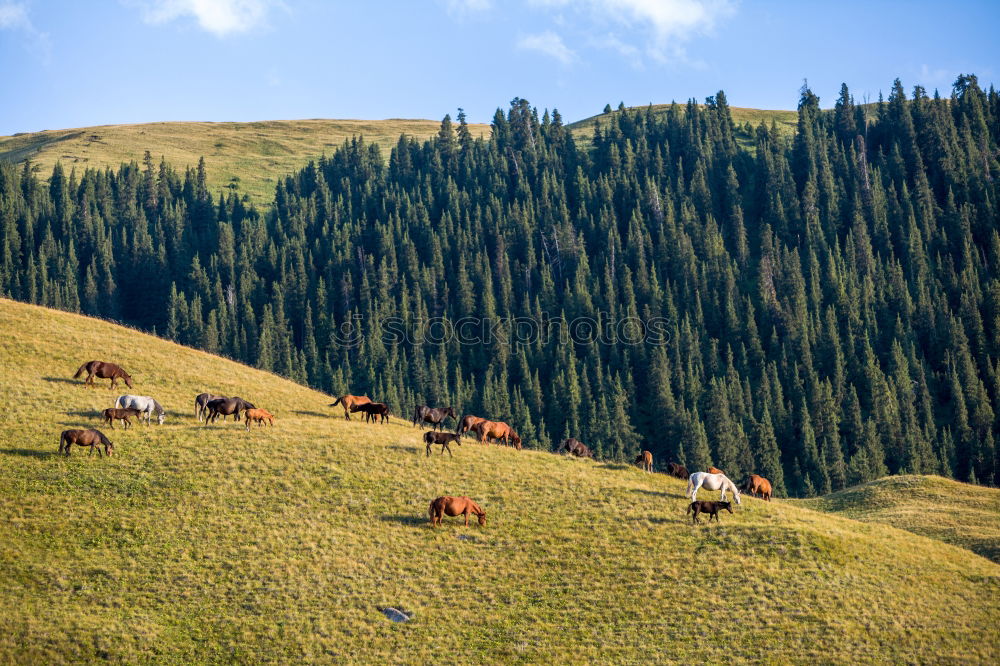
(247, 157)
(956, 513)
(786, 121)
(197, 544)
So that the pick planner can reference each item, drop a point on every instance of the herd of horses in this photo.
(208, 407)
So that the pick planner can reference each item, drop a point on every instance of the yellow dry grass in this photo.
(247, 158)
(202, 544)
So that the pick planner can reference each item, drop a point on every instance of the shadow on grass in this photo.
(304, 412)
(617, 466)
(658, 493)
(405, 449)
(27, 453)
(63, 380)
(406, 519)
(91, 413)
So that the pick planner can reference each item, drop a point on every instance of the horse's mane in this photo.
(158, 406)
(104, 440)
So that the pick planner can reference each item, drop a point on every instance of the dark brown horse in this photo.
(455, 506)
(92, 438)
(349, 402)
(577, 448)
(442, 438)
(103, 370)
(711, 508)
(111, 414)
(499, 431)
(373, 411)
(644, 460)
(435, 416)
(201, 404)
(468, 423)
(677, 470)
(225, 406)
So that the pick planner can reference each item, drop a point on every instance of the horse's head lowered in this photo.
(127, 378)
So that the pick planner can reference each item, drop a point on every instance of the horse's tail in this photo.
(430, 511)
(689, 489)
(80, 371)
(118, 402)
(62, 436)
(196, 409)
(335, 402)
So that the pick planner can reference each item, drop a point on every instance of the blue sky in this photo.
(74, 64)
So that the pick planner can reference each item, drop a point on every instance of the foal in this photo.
(111, 414)
(259, 415)
(711, 508)
(442, 438)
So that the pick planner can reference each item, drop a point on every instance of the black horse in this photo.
(577, 448)
(434, 416)
(226, 406)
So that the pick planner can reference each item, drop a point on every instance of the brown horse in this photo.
(715, 470)
(576, 448)
(711, 508)
(442, 438)
(454, 506)
(92, 438)
(349, 402)
(201, 404)
(499, 431)
(103, 370)
(226, 406)
(433, 415)
(468, 423)
(644, 460)
(373, 411)
(111, 414)
(758, 484)
(677, 470)
(258, 415)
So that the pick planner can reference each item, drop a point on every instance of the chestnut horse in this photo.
(758, 484)
(715, 470)
(644, 460)
(111, 414)
(91, 438)
(103, 370)
(468, 423)
(498, 430)
(349, 402)
(455, 506)
(258, 415)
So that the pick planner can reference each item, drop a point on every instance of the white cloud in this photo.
(548, 43)
(14, 16)
(668, 23)
(220, 17)
(936, 77)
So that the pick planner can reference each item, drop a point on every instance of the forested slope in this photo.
(821, 309)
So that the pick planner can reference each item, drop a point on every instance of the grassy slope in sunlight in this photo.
(197, 544)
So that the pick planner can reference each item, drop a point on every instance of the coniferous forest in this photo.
(822, 309)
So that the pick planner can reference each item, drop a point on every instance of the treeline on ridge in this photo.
(832, 300)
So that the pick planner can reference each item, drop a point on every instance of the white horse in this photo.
(711, 482)
(144, 404)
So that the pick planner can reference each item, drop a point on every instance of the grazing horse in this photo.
(258, 415)
(497, 430)
(442, 438)
(711, 508)
(576, 448)
(468, 423)
(454, 506)
(715, 470)
(435, 416)
(226, 406)
(373, 410)
(103, 370)
(144, 404)
(644, 460)
(111, 414)
(201, 404)
(349, 402)
(755, 483)
(91, 438)
(711, 482)
(677, 470)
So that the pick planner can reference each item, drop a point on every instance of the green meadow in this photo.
(200, 544)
